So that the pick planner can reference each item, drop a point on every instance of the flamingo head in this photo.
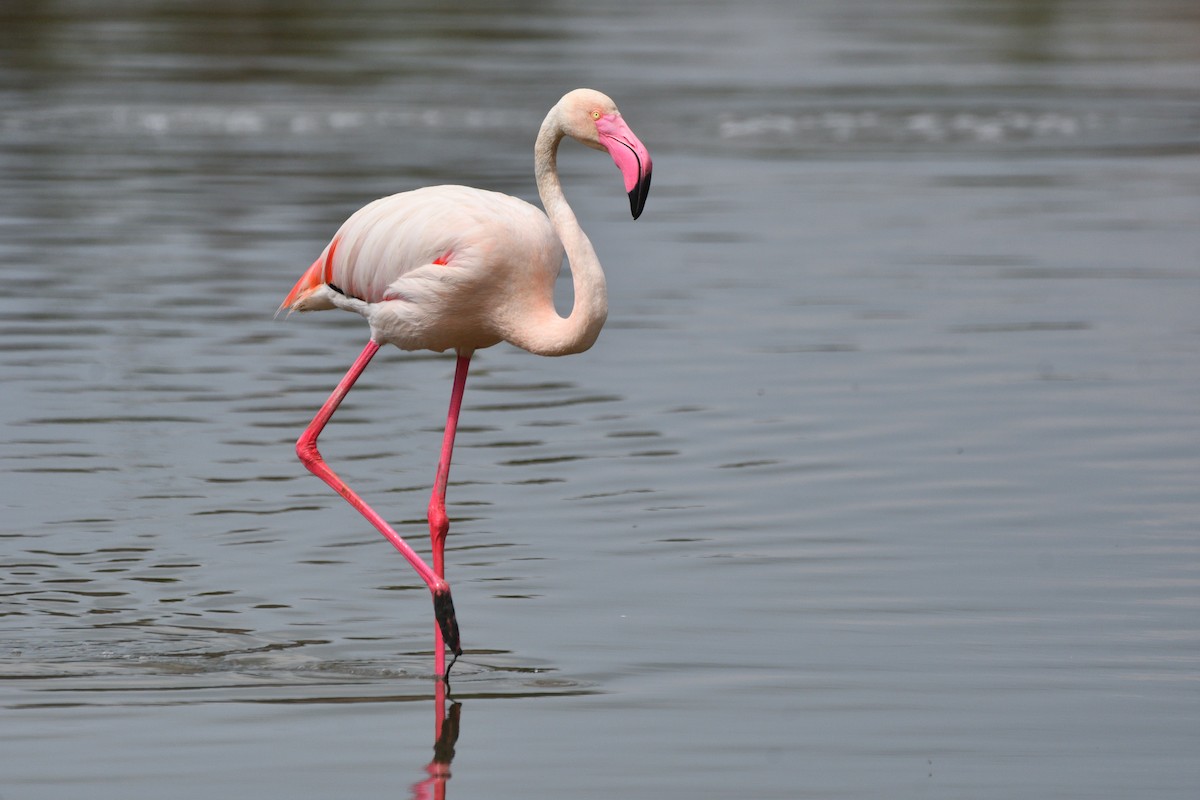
(592, 118)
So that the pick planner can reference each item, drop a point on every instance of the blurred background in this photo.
(881, 481)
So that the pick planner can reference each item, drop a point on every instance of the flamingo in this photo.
(453, 267)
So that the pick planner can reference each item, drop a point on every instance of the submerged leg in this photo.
(306, 448)
(439, 522)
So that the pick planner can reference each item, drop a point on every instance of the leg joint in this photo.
(439, 522)
(306, 449)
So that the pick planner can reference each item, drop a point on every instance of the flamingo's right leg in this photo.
(439, 521)
(306, 448)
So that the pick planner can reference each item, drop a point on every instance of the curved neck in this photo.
(550, 334)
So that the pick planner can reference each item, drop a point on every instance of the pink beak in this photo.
(630, 156)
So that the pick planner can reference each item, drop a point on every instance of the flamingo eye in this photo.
(595, 115)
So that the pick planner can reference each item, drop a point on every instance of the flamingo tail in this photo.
(300, 298)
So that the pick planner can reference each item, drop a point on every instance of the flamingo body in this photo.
(438, 268)
(452, 267)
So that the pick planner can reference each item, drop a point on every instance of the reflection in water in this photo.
(445, 735)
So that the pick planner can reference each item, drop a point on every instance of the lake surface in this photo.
(882, 481)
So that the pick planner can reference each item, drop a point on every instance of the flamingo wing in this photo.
(394, 236)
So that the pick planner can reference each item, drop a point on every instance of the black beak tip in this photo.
(637, 196)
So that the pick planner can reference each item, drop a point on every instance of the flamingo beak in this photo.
(630, 156)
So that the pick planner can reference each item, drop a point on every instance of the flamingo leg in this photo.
(439, 522)
(306, 448)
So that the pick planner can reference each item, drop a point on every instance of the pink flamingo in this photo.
(454, 267)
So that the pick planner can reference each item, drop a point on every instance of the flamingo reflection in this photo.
(445, 732)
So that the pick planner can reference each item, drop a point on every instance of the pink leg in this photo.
(306, 448)
(439, 522)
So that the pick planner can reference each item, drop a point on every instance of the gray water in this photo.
(882, 481)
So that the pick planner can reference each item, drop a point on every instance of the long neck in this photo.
(550, 334)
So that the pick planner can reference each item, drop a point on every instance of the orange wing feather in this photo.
(319, 274)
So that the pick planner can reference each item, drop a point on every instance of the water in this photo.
(881, 481)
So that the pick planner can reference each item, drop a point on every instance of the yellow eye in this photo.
(595, 115)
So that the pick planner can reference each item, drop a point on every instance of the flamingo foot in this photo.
(443, 612)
